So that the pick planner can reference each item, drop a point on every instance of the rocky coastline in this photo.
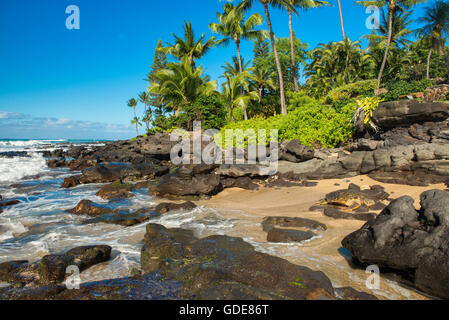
(410, 148)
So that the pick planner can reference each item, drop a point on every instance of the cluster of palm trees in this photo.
(338, 63)
(435, 27)
(181, 82)
(178, 84)
(435, 18)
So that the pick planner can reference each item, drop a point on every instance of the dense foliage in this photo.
(313, 123)
(338, 81)
(352, 90)
(400, 88)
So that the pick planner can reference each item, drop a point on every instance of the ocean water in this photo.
(40, 224)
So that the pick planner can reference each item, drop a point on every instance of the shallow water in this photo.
(40, 225)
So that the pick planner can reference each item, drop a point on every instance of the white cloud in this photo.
(21, 125)
(11, 115)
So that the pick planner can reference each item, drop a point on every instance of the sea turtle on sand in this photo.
(347, 198)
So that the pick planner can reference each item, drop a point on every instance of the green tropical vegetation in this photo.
(311, 94)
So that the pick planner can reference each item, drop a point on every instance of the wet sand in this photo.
(322, 253)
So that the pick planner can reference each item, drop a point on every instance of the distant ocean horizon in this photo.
(18, 166)
(54, 140)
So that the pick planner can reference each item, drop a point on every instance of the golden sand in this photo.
(319, 254)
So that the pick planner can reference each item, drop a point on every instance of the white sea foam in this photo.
(14, 169)
(39, 225)
(203, 221)
(21, 143)
(9, 229)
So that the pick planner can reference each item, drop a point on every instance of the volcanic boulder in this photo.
(413, 243)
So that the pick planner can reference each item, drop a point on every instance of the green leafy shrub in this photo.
(447, 96)
(313, 124)
(341, 103)
(352, 90)
(163, 123)
(400, 88)
(210, 110)
(298, 99)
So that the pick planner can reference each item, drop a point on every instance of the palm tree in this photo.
(247, 4)
(436, 25)
(341, 20)
(136, 121)
(400, 30)
(234, 68)
(144, 97)
(262, 79)
(180, 85)
(290, 6)
(190, 47)
(147, 117)
(233, 27)
(237, 93)
(337, 63)
(132, 103)
(393, 5)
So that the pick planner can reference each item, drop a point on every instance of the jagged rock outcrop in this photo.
(7, 203)
(294, 151)
(406, 112)
(413, 141)
(184, 183)
(104, 173)
(354, 203)
(51, 269)
(87, 207)
(116, 190)
(101, 213)
(299, 229)
(427, 161)
(410, 242)
(222, 267)
(435, 93)
(165, 207)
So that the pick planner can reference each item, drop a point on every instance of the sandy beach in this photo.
(322, 253)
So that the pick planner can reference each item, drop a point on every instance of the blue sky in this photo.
(60, 83)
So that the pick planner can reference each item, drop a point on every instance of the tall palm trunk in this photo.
(276, 57)
(341, 20)
(239, 56)
(146, 117)
(428, 63)
(192, 63)
(292, 49)
(391, 8)
(348, 59)
(135, 117)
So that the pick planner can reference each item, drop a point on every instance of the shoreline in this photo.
(295, 202)
(237, 210)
